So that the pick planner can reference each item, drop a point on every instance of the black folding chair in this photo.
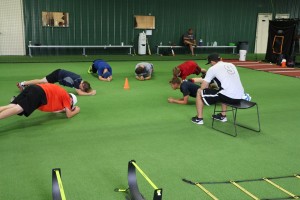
(234, 108)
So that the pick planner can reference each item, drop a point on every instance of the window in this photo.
(55, 19)
(144, 22)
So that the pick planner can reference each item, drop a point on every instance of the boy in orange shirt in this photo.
(46, 97)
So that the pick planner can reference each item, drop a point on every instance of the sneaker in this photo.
(20, 86)
(90, 70)
(220, 117)
(197, 120)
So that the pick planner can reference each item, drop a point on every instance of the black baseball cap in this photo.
(213, 57)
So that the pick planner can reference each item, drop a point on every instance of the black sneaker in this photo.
(197, 120)
(220, 117)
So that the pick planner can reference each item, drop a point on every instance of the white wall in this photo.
(12, 38)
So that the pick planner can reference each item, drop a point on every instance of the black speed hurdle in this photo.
(133, 190)
(57, 186)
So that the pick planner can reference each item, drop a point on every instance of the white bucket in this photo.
(243, 55)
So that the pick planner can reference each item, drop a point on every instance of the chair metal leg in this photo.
(258, 118)
(234, 118)
(234, 110)
(213, 120)
(250, 128)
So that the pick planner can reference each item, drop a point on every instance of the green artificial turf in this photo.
(115, 126)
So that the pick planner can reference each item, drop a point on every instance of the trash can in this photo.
(243, 46)
(142, 44)
(243, 54)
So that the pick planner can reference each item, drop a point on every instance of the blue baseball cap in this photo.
(106, 75)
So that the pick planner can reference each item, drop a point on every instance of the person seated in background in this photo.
(187, 88)
(102, 68)
(143, 71)
(190, 40)
(65, 78)
(187, 68)
(46, 97)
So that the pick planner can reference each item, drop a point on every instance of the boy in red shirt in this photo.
(46, 97)
(187, 68)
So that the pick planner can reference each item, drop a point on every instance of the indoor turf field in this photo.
(115, 126)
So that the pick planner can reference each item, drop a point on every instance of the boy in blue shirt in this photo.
(102, 68)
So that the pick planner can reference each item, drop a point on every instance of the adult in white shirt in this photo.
(231, 91)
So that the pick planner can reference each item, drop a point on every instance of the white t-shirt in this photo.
(229, 77)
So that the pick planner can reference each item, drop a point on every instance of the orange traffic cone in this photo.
(126, 84)
(283, 63)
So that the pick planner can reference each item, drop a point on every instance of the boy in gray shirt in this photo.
(143, 71)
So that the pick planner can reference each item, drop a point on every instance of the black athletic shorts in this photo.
(94, 69)
(30, 99)
(53, 77)
(211, 96)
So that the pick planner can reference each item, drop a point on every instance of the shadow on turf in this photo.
(20, 124)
